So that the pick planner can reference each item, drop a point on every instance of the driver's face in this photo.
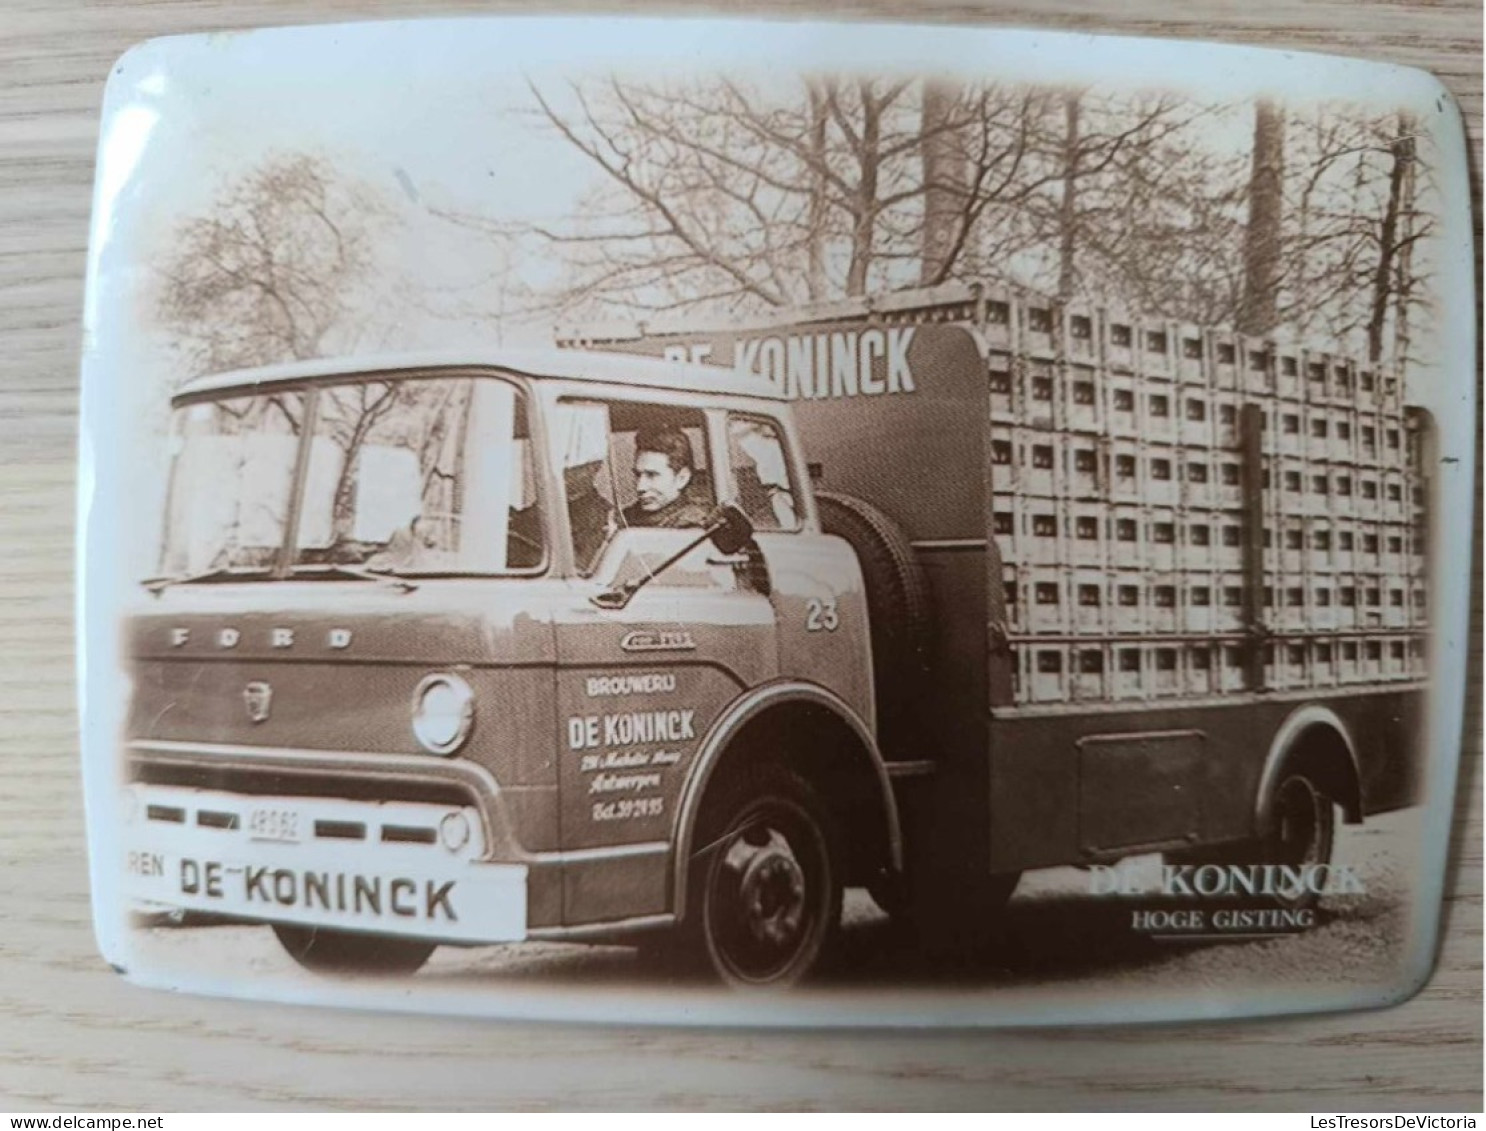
(657, 485)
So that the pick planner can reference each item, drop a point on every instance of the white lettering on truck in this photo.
(649, 683)
(847, 363)
(631, 729)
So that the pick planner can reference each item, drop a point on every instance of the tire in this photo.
(346, 952)
(1302, 831)
(766, 886)
(900, 607)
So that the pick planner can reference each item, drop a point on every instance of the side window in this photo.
(761, 474)
(628, 465)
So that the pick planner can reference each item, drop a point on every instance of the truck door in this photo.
(815, 583)
(639, 687)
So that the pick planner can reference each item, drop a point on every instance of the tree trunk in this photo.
(1388, 242)
(1262, 239)
(1403, 295)
(864, 227)
(945, 182)
(815, 271)
(1068, 208)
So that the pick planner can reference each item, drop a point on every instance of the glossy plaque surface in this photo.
(785, 524)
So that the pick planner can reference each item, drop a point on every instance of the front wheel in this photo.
(346, 952)
(767, 881)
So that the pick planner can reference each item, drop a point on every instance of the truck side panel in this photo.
(1137, 769)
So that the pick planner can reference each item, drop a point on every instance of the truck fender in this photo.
(1296, 726)
(729, 725)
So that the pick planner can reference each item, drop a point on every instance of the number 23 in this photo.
(821, 615)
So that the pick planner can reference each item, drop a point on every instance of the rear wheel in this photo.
(1302, 833)
(766, 882)
(346, 952)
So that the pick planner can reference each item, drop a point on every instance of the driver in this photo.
(663, 472)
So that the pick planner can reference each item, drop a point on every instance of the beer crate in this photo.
(1156, 406)
(1198, 532)
(1225, 364)
(1190, 354)
(1038, 338)
(1285, 372)
(1089, 672)
(1043, 671)
(1125, 676)
(1224, 407)
(1197, 471)
(1085, 532)
(1079, 344)
(1320, 539)
(1161, 551)
(1001, 386)
(1119, 507)
(1288, 438)
(1157, 343)
(1126, 471)
(1127, 536)
(1198, 597)
(1088, 592)
(1083, 408)
(1124, 414)
(1228, 491)
(1117, 341)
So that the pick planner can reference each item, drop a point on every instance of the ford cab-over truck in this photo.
(417, 671)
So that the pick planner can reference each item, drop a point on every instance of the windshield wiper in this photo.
(339, 569)
(158, 585)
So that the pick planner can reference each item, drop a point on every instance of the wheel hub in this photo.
(771, 888)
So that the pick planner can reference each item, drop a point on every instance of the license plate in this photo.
(275, 883)
(275, 824)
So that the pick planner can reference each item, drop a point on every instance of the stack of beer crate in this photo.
(1119, 508)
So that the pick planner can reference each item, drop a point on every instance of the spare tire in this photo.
(900, 606)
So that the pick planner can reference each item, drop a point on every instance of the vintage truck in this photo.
(966, 586)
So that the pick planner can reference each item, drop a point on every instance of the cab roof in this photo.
(625, 369)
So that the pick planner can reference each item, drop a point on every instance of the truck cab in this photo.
(533, 645)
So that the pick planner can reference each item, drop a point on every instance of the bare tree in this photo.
(1354, 198)
(1141, 212)
(269, 273)
(1392, 247)
(731, 197)
(719, 196)
(1072, 157)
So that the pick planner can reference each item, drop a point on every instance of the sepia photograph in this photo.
(727, 522)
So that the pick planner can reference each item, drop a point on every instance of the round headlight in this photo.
(443, 712)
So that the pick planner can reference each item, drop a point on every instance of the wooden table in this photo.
(73, 1035)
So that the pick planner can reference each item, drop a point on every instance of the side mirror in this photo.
(730, 529)
(727, 528)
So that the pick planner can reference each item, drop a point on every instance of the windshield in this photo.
(417, 476)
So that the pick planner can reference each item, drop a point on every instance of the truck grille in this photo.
(273, 783)
(400, 824)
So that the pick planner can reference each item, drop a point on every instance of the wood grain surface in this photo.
(73, 1035)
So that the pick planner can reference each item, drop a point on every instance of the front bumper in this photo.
(404, 868)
